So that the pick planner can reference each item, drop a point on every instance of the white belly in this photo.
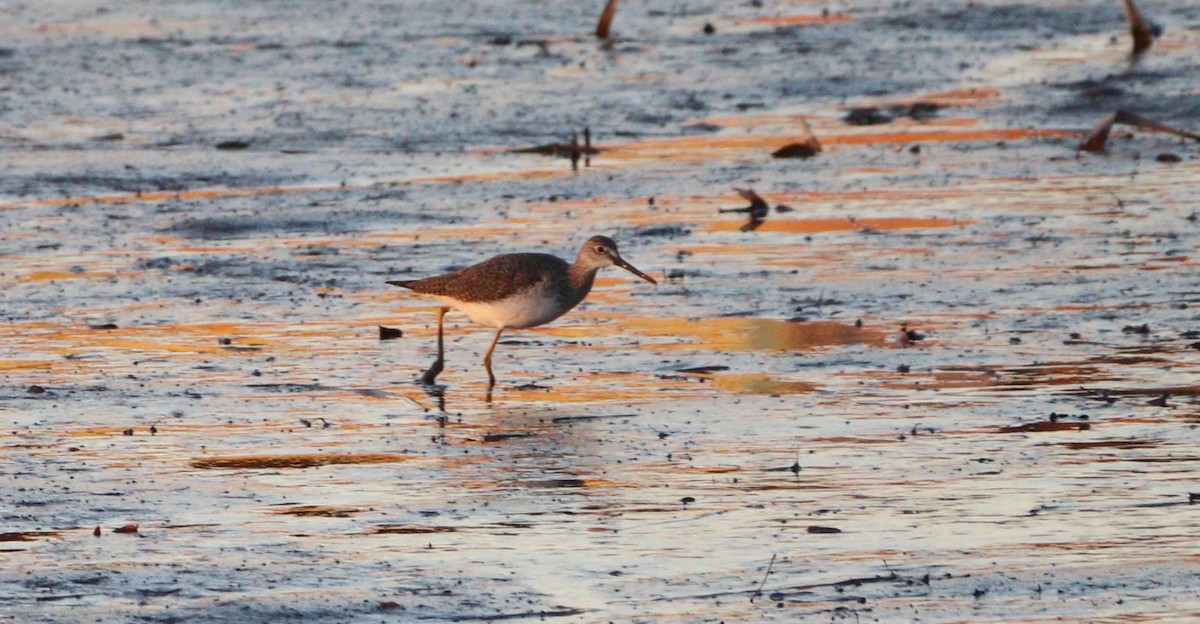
(529, 309)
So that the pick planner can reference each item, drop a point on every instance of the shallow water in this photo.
(939, 352)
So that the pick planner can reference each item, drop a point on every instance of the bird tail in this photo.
(402, 283)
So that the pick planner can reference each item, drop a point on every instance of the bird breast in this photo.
(536, 306)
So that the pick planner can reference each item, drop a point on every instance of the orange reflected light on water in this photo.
(797, 20)
(754, 334)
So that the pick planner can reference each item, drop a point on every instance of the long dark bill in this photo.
(633, 269)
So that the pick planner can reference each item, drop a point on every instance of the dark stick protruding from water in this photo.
(770, 566)
(1097, 140)
(606, 18)
(1143, 37)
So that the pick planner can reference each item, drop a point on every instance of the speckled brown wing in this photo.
(492, 280)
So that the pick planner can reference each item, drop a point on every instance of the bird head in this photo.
(601, 251)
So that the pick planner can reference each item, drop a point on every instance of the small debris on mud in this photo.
(128, 529)
(704, 370)
(1160, 401)
(103, 326)
(663, 231)
(96, 531)
(873, 116)
(35, 389)
(390, 333)
(807, 147)
(573, 150)
(758, 209)
(823, 529)
(795, 150)
(908, 336)
(233, 145)
(1043, 426)
(1141, 330)
(500, 437)
(1168, 158)
(866, 116)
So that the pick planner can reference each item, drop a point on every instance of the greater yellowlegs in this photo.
(517, 291)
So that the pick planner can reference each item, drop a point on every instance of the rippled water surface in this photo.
(955, 382)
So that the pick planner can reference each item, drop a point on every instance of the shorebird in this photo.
(516, 291)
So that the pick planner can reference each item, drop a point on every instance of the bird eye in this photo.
(600, 249)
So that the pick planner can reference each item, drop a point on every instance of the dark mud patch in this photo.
(318, 511)
(1024, 18)
(503, 436)
(222, 228)
(411, 529)
(27, 536)
(1040, 427)
(311, 460)
(1113, 444)
(133, 182)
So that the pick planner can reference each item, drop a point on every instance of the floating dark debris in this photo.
(866, 116)
(390, 333)
(873, 116)
(1046, 425)
(410, 529)
(823, 529)
(500, 437)
(704, 370)
(233, 145)
(796, 150)
(807, 147)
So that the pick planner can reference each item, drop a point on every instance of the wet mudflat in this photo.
(956, 381)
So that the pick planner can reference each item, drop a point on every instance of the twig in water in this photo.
(587, 146)
(1143, 37)
(606, 18)
(758, 592)
(1097, 140)
(575, 151)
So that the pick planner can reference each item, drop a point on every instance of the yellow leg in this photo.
(487, 359)
(431, 375)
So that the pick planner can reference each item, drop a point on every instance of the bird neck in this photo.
(580, 279)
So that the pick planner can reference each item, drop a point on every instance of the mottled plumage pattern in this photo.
(495, 279)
